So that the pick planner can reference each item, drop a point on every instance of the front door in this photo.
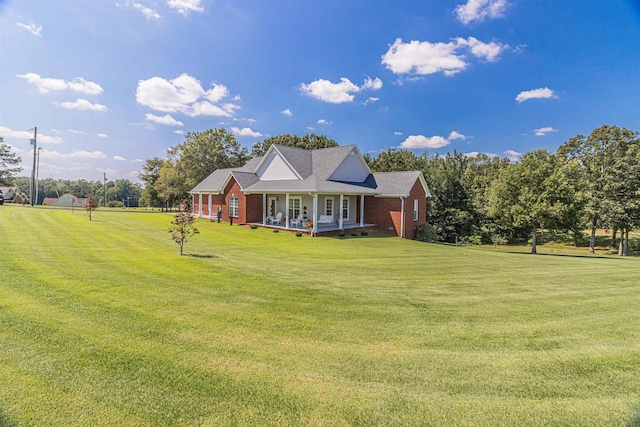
(272, 209)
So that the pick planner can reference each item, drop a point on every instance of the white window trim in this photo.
(234, 210)
(292, 209)
(415, 209)
(342, 208)
(333, 205)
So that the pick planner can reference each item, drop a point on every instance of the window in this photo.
(233, 207)
(345, 208)
(415, 210)
(294, 207)
(328, 206)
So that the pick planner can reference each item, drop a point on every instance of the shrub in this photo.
(341, 235)
(115, 204)
(253, 227)
(365, 233)
(426, 233)
(634, 246)
(276, 231)
(299, 234)
(475, 239)
(354, 234)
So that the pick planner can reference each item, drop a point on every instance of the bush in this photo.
(276, 231)
(299, 234)
(354, 234)
(476, 239)
(634, 246)
(115, 204)
(253, 227)
(426, 233)
(341, 235)
(365, 233)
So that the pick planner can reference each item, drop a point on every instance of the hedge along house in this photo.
(332, 188)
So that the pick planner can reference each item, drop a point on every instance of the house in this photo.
(332, 188)
(14, 195)
(67, 200)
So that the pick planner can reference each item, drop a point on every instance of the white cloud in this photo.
(371, 100)
(338, 93)
(34, 29)
(478, 10)
(137, 160)
(179, 132)
(416, 142)
(425, 58)
(83, 104)
(287, 112)
(55, 131)
(323, 122)
(102, 135)
(455, 135)
(473, 154)
(28, 135)
(183, 94)
(488, 51)
(79, 132)
(186, 6)
(163, 120)
(543, 131)
(540, 93)
(245, 132)
(398, 133)
(119, 158)
(48, 84)
(80, 154)
(146, 11)
(512, 155)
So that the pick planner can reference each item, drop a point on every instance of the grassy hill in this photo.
(103, 323)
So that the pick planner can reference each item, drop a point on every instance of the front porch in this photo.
(324, 229)
(323, 212)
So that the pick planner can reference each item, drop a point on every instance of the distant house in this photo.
(332, 189)
(67, 200)
(14, 195)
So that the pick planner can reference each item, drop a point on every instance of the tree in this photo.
(182, 229)
(90, 204)
(394, 160)
(8, 163)
(308, 142)
(170, 185)
(204, 152)
(596, 155)
(149, 176)
(525, 194)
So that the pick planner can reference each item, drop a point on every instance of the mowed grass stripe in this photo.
(112, 327)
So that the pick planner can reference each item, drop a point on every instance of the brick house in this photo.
(332, 189)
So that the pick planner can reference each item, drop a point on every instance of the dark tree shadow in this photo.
(5, 421)
(566, 255)
(201, 256)
(635, 419)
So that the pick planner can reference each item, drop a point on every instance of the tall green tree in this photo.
(149, 175)
(394, 160)
(8, 163)
(201, 153)
(525, 194)
(597, 154)
(310, 141)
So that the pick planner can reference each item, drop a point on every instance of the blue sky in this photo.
(111, 83)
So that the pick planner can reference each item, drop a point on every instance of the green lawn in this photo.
(103, 323)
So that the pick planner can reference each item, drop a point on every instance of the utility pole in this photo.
(38, 174)
(105, 189)
(33, 170)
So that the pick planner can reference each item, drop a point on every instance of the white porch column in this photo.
(340, 220)
(200, 205)
(264, 209)
(210, 197)
(402, 217)
(315, 214)
(193, 203)
(362, 210)
(286, 209)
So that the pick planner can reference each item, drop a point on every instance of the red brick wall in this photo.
(387, 212)
(253, 208)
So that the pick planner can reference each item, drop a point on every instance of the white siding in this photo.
(275, 167)
(350, 170)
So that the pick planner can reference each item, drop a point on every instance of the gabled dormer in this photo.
(353, 168)
(274, 166)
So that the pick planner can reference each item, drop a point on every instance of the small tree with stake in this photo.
(182, 229)
(90, 204)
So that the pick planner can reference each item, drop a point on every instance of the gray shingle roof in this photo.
(315, 167)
